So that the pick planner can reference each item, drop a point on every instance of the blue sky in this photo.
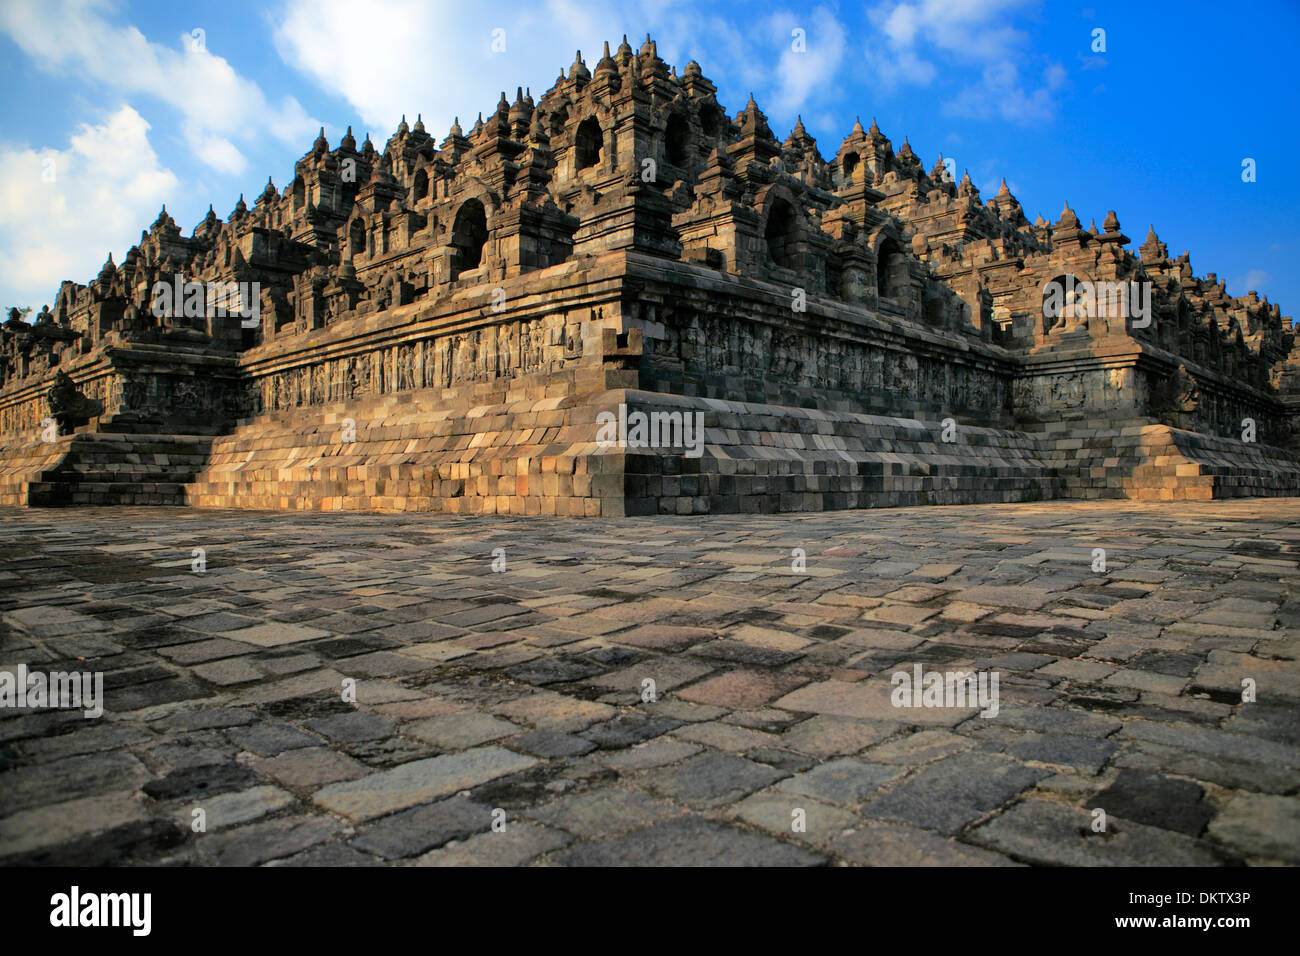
(113, 108)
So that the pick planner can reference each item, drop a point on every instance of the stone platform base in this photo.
(405, 453)
(1154, 462)
(771, 458)
(410, 452)
(101, 468)
(545, 457)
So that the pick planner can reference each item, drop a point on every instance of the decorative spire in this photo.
(419, 123)
(939, 174)
(163, 221)
(1068, 219)
(348, 141)
(606, 63)
(752, 120)
(579, 71)
(1153, 248)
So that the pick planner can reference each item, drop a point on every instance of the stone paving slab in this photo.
(360, 689)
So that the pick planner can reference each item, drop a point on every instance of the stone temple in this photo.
(444, 326)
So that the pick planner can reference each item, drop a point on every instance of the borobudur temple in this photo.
(532, 316)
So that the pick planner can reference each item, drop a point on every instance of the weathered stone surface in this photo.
(418, 781)
(549, 743)
(867, 700)
(71, 777)
(261, 842)
(888, 844)
(955, 792)
(419, 829)
(689, 841)
(573, 771)
(844, 781)
(1261, 826)
(520, 843)
(310, 768)
(1063, 750)
(795, 817)
(594, 815)
(270, 738)
(1156, 801)
(61, 823)
(231, 809)
(712, 779)
(1042, 832)
(830, 736)
(740, 689)
(629, 730)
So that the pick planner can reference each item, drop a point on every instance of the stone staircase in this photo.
(540, 456)
(766, 458)
(410, 451)
(103, 468)
(1154, 462)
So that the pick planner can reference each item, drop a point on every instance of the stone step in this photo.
(64, 493)
(105, 468)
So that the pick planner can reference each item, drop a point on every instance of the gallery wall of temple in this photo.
(627, 197)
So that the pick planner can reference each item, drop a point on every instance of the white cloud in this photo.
(1000, 93)
(1256, 280)
(457, 74)
(106, 185)
(217, 105)
(918, 41)
(802, 74)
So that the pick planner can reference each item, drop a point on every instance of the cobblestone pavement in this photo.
(521, 696)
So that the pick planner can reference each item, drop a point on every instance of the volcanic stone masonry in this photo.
(438, 327)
